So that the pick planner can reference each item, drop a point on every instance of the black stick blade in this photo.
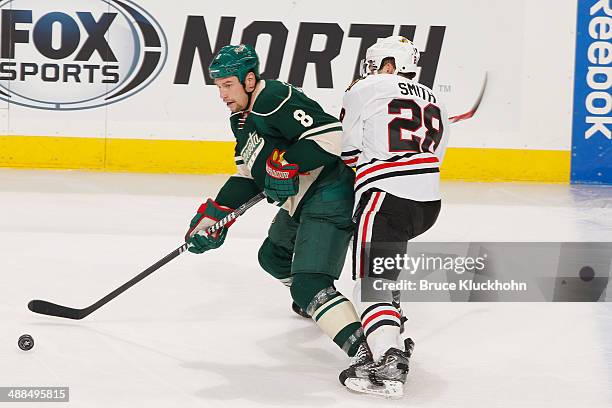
(52, 309)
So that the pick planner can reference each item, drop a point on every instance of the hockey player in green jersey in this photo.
(288, 147)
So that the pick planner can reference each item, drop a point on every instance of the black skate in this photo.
(385, 377)
(299, 310)
(359, 364)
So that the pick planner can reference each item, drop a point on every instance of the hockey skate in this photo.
(359, 364)
(385, 377)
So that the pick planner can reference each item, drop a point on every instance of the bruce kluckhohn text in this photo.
(493, 285)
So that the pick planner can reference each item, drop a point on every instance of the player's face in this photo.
(232, 92)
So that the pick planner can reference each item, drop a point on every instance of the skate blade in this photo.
(389, 389)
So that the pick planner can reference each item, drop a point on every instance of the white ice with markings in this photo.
(214, 330)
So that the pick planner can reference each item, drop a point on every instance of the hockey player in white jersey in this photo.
(395, 135)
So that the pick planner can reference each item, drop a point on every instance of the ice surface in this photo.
(214, 330)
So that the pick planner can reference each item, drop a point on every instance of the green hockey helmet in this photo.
(234, 60)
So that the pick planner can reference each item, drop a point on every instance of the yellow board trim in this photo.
(208, 157)
(131, 155)
(471, 164)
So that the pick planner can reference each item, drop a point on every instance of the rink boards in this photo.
(140, 100)
(210, 157)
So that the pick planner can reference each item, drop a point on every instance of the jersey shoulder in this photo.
(352, 84)
(361, 84)
(358, 91)
(372, 86)
(273, 95)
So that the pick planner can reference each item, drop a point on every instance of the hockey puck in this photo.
(586, 273)
(25, 342)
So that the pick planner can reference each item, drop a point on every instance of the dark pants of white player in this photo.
(385, 224)
(385, 220)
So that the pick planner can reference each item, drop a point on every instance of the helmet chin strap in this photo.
(249, 94)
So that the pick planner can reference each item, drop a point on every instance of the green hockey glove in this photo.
(208, 214)
(282, 178)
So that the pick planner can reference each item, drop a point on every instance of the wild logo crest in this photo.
(77, 54)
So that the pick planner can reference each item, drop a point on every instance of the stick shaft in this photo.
(472, 111)
(52, 309)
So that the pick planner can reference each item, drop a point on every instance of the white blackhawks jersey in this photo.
(395, 134)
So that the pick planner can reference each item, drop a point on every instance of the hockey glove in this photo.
(282, 179)
(208, 214)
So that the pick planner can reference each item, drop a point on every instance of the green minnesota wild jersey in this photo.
(282, 115)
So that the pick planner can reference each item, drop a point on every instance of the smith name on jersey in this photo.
(281, 115)
(395, 135)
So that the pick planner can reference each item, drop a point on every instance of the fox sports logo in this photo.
(77, 54)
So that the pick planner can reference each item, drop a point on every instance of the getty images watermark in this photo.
(491, 271)
(433, 263)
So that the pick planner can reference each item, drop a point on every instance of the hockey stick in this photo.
(52, 309)
(472, 111)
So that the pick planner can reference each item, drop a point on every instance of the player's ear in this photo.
(249, 82)
(388, 68)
